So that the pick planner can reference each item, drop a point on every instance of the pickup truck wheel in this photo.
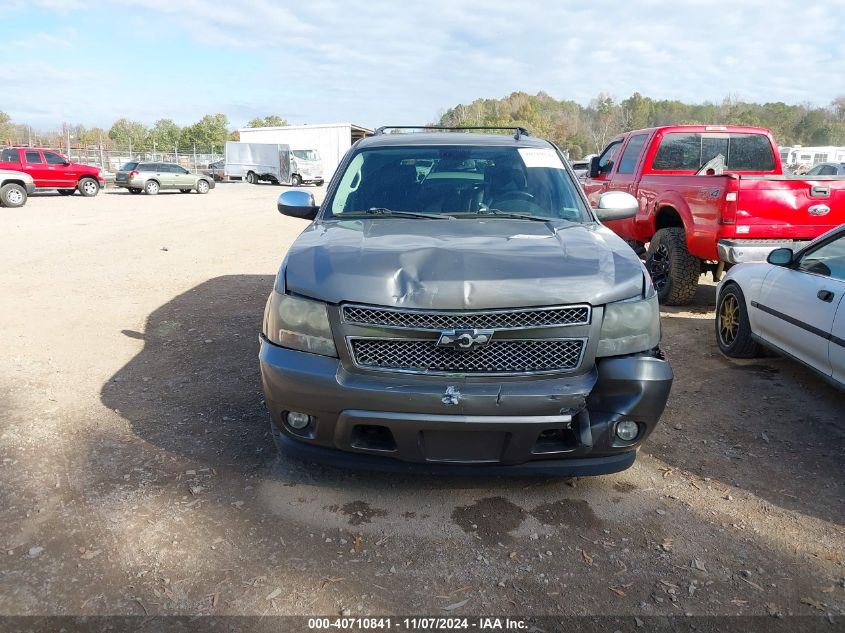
(202, 186)
(733, 330)
(295, 180)
(673, 270)
(318, 183)
(66, 192)
(151, 187)
(88, 187)
(12, 195)
(251, 179)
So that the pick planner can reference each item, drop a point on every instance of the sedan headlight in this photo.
(630, 326)
(299, 324)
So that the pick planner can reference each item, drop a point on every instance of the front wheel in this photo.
(295, 180)
(202, 186)
(251, 179)
(733, 329)
(318, 183)
(674, 271)
(88, 187)
(151, 188)
(12, 195)
(66, 192)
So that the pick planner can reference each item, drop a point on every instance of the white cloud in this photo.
(403, 62)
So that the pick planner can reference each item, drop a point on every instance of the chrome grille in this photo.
(481, 319)
(508, 356)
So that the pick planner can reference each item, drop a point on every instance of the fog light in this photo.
(627, 430)
(297, 420)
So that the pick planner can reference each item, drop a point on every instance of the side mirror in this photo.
(66, 162)
(780, 257)
(616, 205)
(298, 204)
(594, 167)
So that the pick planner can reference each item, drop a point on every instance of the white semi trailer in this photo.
(273, 162)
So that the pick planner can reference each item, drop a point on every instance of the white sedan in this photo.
(792, 304)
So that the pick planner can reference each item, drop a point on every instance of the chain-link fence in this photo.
(111, 159)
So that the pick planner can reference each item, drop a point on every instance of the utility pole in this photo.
(154, 149)
(67, 139)
(195, 156)
(130, 148)
(29, 134)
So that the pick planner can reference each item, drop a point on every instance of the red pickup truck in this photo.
(51, 170)
(710, 196)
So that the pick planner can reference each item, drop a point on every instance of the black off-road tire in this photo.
(12, 196)
(66, 192)
(674, 271)
(88, 187)
(733, 329)
(151, 187)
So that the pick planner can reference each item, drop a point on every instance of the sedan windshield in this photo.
(459, 181)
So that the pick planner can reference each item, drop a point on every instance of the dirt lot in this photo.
(137, 475)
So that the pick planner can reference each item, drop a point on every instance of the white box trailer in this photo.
(257, 161)
(272, 162)
(330, 140)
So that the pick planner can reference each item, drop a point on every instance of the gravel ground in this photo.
(137, 475)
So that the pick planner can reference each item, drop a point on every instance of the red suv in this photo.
(51, 170)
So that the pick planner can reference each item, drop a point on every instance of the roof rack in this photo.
(518, 131)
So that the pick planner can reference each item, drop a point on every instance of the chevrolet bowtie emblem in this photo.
(464, 339)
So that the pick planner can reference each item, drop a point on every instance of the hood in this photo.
(462, 264)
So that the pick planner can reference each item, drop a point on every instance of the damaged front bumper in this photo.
(563, 425)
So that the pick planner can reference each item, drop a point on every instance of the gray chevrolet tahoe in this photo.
(455, 305)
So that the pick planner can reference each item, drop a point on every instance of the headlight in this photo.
(630, 326)
(298, 324)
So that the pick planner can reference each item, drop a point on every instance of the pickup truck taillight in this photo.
(134, 173)
(731, 197)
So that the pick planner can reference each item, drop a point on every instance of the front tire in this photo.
(674, 271)
(295, 180)
(251, 179)
(733, 329)
(12, 196)
(318, 183)
(151, 188)
(88, 187)
(202, 186)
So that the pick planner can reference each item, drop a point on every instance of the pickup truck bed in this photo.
(696, 223)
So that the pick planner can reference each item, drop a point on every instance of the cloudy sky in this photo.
(377, 62)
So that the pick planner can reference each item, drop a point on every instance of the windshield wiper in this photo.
(405, 214)
(512, 215)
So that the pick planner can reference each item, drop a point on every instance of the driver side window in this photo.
(608, 157)
(827, 260)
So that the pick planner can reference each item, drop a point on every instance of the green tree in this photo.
(273, 120)
(6, 127)
(125, 132)
(165, 134)
(210, 131)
